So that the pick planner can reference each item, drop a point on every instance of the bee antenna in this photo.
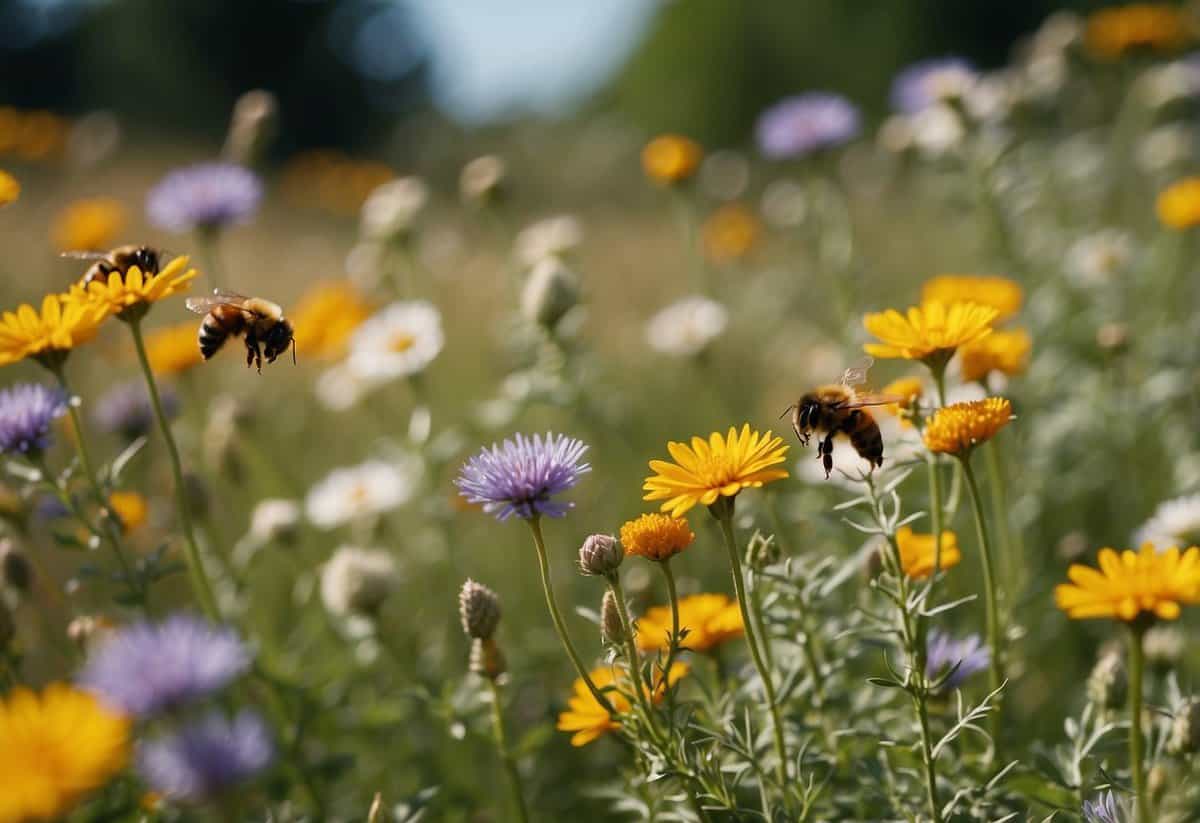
(785, 411)
(293, 351)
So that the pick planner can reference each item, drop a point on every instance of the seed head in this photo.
(612, 629)
(600, 555)
(479, 608)
(486, 658)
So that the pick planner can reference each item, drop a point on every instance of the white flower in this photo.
(937, 129)
(356, 581)
(687, 326)
(551, 237)
(1174, 523)
(392, 208)
(356, 492)
(1097, 259)
(274, 519)
(551, 291)
(398, 341)
(339, 389)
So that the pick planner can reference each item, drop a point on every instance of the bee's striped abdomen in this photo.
(212, 336)
(865, 437)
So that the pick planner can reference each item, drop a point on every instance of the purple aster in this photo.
(943, 652)
(929, 82)
(1104, 809)
(205, 196)
(805, 123)
(26, 412)
(146, 667)
(207, 756)
(520, 476)
(125, 409)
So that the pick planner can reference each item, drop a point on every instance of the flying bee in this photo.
(120, 260)
(838, 409)
(265, 331)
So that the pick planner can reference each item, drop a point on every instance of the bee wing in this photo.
(203, 305)
(862, 400)
(84, 255)
(856, 375)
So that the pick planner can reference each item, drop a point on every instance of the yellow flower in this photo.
(131, 509)
(671, 158)
(1113, 32)
(1130, 582)
(55, 747)
(172, 350)
(730, 233)
(917, 552)
(88, 225)
(588, 719)
(710, 619)
(134, 290)
(656, 536)
(909, 388)
(10, 189)
(929, 332)
(1002, 294)
(1178, 205)
(1004, 351)
(60, 327)
(957, 428)
(714, 468)
(325, 317)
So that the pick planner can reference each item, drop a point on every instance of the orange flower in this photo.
(589, 720)
(1130, 583)
(730, 233)
(671, 158)
(656, 536)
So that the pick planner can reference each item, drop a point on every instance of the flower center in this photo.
(401, 342)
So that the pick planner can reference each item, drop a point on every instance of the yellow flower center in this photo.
(401, 342)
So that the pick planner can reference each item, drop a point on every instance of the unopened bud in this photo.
(551, 291)
(391, 210)
(1185, 730)
(15, 570)
(252, 127)
(275, 520)
(357, 581)
(486, 658)
(479, 608)
(1108, 683)
(600, 555)
(612, 628)
(482, 180)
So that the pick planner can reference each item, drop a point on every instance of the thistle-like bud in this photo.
(551, 291)
(1108, 683)
(612, 629)
(479, 608)
(1164, 646)
(486, 658)
(1185, 730)
(600, 555)
(252, 127)
(482, 180)
(15, 571)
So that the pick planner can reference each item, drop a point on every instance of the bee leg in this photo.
(827, 458)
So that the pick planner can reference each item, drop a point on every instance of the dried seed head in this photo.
(1108, 683)
(486, 658)
(600, 555)
(1185, 730)
(15, 571)
(612, 630)
(479, 608)
(551, 291)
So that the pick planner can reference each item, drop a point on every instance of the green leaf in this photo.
(122, 460)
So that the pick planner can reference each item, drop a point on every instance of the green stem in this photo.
(539, 542)
(935, 811)
(935, 510)
(999, 495)
(631, 651)
(673, 599)
(200, 584)
(995, 669)
(1136, 665)
(724, 513)
(510, 763)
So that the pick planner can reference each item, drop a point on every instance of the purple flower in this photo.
(125, 409)
(26, 412)
(1104, 809)
(805, 123)
(205, 196)
(929, 82)
(520, 476)
(146, 667)
(943, 653)
(206, 756)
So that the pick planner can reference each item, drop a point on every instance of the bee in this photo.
(838, 409)
(265, 331)
(120, 260)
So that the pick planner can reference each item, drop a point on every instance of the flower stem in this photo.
(724, 513)
(999, 495)
(510, 763)
(539, 542)
(935, 811)
(935, 511)
(200, 584)
(673, 599)
(1136, 665)
(631, 651)
(995, 668)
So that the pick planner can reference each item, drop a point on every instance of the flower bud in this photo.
(600, 555)
(612, 629)
(1108, 683)
(391, 210)
(486, 658)
(275, 520)
(551, 291)
(479, 608)
(482, 180)
(253, 125)
(15, 570)
(1185, 729)
(357, 581)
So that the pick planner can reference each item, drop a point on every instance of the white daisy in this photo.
(355, 492)
(356, 581)
(687, 326)
(1098, 258)
(392, 208)
(551, 237)
(398, 341)
(1174, 523)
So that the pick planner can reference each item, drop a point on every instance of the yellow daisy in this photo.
(959, 427)
(1129, 583)
(930, 332)
(172, 350)
(908, 388)
(730, 233)
(714, 468)
(130, 508)
(917, 552)
(671, 158)
(1004, 351)
(1114, 32)
(588, 719)
(656, 536)
(50, 335)
(1002, 294)
(10, 189)
(55, 748)
(710, 619)
(133, 293)
(1178, 205)
(325, 317)
(88, 225)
